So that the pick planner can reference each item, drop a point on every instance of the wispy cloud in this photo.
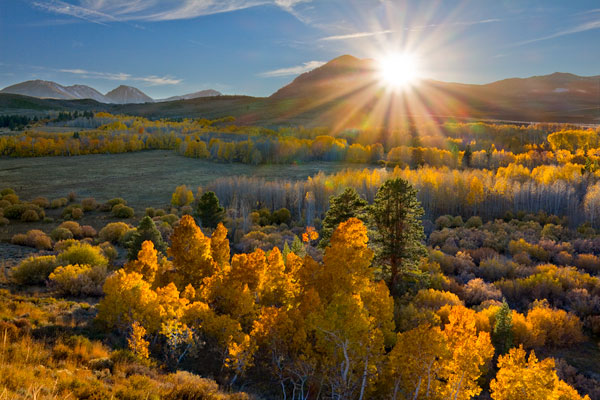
(356, 35)
(104, 11)
(151, 80)
(586, 26)
(299, 69)
(359, 35)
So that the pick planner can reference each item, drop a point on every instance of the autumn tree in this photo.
(346, 205)
(470, 352)
(209, 210)
(182, 196)
(398, 235)
(191, 253)
(146, 262)
(527, 378)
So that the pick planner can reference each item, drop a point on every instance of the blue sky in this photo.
(256, 46)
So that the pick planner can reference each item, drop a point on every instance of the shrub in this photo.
(4, 203)
(33, 238)
(72, 196)
(57, 203)
(72, 211)
(588, 262)
(11, 198)
(493, 269)
(184, 385)
(4, 221)
(77, 280)
(127, 237)
(77, 213)
(113, 202)
(150, 212)
(159, 212)
(444, 221)
(474, 222)
(19, 239)
(109, 251)
(61, 234)
(187, 210)
(281, 216)
(558, 327)
(477, 291)
(42, 202)
(88, 231)
(122, 211)
(435, 299)
(113, 232)
(30, 216)
(74, 227)
(63, 245)
(33, 270)
(82, 253)
(170, 219)
(89, 204)
(6, 191)
(14, 211)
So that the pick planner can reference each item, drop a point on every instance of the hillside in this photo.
(347, 91)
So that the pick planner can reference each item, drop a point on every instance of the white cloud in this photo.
(356, 35)
(587, 26)
(151, 80)
(297, 70)
(103, 11)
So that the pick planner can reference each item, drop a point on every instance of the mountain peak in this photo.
(128, 94)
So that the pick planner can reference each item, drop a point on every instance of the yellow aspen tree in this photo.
(471, 351)
(136, 342)
(416, 362)
(526, 378)
(219, 246)
(146, 263)
(191, 253)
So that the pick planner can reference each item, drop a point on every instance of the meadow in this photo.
(145, 179)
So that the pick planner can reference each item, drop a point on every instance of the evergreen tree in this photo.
(298, 247)
(209, 210)
(398, 232)
(286, 250)
(341, 208)
(502, 337)
(467, 157)
(146, 230)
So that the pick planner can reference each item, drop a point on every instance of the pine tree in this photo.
(298, 247)
(146, 230)
(467, 157)
(398, 234)
(209, 210)
(502, 337)
(341, 208)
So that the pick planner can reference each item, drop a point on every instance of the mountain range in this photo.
(120, 95)
(345, 92)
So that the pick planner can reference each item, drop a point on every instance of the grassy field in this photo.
(144, 179)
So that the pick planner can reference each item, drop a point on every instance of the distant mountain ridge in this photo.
(120, 95)
(346, 92)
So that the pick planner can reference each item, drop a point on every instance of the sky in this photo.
(254, 47)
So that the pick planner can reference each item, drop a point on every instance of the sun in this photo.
(398, 70)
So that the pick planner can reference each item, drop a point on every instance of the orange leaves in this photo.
(191, 252)
(521, 377)
(310, 235)
(219, 246)
(146, 263)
